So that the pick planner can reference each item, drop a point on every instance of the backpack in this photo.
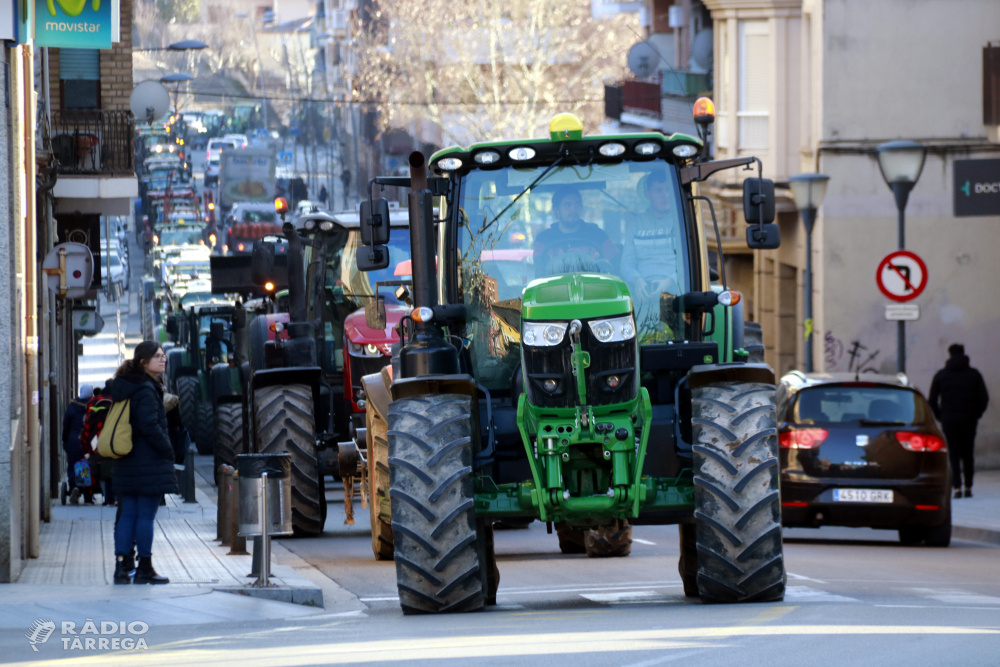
(115, 440)
(81, 470)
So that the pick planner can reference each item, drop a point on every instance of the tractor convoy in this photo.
(538, 335)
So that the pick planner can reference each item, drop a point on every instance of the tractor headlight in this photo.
(326, 225)
(613, 330)
(363, 350)
(310, 225)
(543, 334)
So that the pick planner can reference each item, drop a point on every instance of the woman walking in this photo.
(143, 476)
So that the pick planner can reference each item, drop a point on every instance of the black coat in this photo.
(76, 411)
(148, 470)
(961, 392)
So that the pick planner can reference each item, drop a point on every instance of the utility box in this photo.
(69, 270)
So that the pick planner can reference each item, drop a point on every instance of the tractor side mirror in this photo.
(262, 262)
(375, 222)
(758, 208)
(372, 258)
(217, 330)
(758, 201)
(375, 314)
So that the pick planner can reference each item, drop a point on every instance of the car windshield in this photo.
(114, 260)
(621, 219)
(858, 403)
(189, 236)
(257, 215)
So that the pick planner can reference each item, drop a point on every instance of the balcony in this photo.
(631, 95)
(90, 142)
(680, 83)
(337, 22)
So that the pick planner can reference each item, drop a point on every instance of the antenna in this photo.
(149, 101)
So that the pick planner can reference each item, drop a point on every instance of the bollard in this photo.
(265, 556)
(222, 521)
(239, 544)
(189, 486)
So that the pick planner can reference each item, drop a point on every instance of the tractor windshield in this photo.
(621, 219)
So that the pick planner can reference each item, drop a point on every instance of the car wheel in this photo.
(938, 536)
(911, 535)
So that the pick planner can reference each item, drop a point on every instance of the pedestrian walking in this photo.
(323, 195)
(97, 412)
(145, 474)
(345, 178)
(959, 399)
(72, 427)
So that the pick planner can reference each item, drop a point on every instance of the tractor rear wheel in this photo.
(571, 540)
(438, 542)
(378, 483)
(285, 423)
(205, 442)
(753, 342)
(611, 541)
(688, 564)
(189, 394)
(737, 508)
(228, 434)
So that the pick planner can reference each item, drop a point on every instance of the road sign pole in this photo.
(808, 219)
(901, 191)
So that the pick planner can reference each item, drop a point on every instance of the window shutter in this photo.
(754, 84)
(79, 64)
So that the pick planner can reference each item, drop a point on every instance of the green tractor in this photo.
(203, 370)
(567, 359)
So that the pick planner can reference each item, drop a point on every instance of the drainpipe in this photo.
(30, 311)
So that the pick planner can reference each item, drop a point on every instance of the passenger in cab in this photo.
(572, 245)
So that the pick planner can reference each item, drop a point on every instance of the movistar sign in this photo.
(977, 187)
(77, 24)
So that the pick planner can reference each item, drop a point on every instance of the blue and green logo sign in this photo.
(76, 24)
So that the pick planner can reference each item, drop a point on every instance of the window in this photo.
(80, 76)
(722, 86)
(754, 85)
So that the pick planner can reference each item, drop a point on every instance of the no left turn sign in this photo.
(901, 276)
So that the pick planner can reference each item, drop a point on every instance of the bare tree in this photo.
(487, 70)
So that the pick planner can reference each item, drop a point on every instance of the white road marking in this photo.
(624, 596)
(957, 596)
(928, 606)
(636, 539)
(804, 578)
(806, 594)
(534, 591)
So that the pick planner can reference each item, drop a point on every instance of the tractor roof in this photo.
(398, 218)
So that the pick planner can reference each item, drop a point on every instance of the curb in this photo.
(973, 534)
(307, 596)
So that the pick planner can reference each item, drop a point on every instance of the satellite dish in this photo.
(701, 51)
(149, 101)
(643, 59)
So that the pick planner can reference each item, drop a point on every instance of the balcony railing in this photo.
(93, 141)
(633, 95)
(680, 83)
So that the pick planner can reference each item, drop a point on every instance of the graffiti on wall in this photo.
(859, 358)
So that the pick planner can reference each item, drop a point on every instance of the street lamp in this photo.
(176, 79)
(808, 191)
(186, 45)
(260, 64)
(901, 163)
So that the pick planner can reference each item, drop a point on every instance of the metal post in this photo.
(265, 556)
(222, 515)
(809, 219)
(239, 544)
(901, 191)
(260, 64)
(189, 487)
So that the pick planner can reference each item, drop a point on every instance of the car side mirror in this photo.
(758, 200)
(372, 258)
(375, 222)
(375, 314)
(262, 262)
(217, 330)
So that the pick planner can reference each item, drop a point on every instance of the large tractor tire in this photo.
(439, 545)
(737, 506)
(205, 442)
(611, 541)
(688, 564)
(753, 342)
(189, 394)
(378, 483)
(228, 434)
(285, 423)
(571, 540)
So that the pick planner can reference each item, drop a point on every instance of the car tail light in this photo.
(805, 438)
(920, 442)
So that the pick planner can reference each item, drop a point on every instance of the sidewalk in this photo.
(978, 518)
(73, 575)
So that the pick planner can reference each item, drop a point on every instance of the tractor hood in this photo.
(358, 332)
(576, 296)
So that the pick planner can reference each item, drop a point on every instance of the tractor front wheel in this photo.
(737, 508)
(378, 483)
(205, 442)
(438, 545)
(228, 434)
(189, 394)
(285, 423)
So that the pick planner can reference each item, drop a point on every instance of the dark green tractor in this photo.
(203, 370)
(568, 359)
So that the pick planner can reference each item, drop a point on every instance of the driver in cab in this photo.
(572, 245)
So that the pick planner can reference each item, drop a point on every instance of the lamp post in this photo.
(260, 64)
(186, 45)
(808, 191)
(901, 163)
(176, 79)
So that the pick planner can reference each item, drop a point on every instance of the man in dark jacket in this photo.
(144, 475)
(76, 412)
(959, 399)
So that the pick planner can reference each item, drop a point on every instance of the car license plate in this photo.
(862, 495)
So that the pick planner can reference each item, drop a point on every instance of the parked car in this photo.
(117, 271)
(212, 171)
(240, 140)
(215, 146)
(862, 450)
